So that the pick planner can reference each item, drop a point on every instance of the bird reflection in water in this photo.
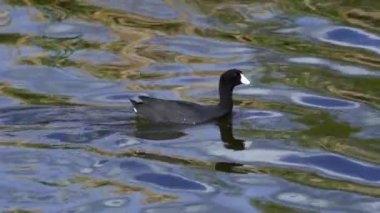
(159, 131)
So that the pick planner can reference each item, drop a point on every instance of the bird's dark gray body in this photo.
(182, 112)
(172, 111)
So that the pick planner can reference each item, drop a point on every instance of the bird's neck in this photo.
(225, 95)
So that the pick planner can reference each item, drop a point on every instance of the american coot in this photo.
(182, 112)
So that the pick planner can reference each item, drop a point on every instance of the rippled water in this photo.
(304, 137)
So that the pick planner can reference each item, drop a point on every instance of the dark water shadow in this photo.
(225, 125)
(89, 124)
(65, 124)
(157, 131)
(166, 131)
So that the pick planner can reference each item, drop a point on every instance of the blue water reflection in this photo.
(339, 165)
(171, 181)
(352, 37)
(323, 102)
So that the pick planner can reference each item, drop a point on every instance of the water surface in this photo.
(304, 137)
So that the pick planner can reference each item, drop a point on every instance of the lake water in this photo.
(305, 136)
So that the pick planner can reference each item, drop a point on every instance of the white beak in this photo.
(244, 80)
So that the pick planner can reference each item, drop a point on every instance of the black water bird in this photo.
(183, 112)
